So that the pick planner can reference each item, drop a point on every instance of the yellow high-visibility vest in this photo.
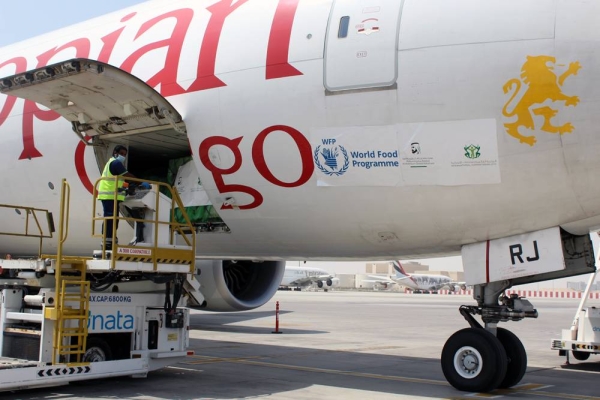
(106, 188)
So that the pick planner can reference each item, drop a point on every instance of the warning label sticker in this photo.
(134, 252)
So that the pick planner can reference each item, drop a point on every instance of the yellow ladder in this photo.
(71, 310)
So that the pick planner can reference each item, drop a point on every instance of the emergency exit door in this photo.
(361, 45)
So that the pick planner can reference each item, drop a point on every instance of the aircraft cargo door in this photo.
(361, 44)
(107, 106)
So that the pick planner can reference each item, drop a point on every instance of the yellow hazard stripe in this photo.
(172, 261)
(134, 258)
(149, 260)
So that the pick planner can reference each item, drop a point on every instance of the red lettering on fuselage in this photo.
(166, 77)
(279, 41)
(218, 173)
(21, 66)
(206, 78)
(258, 156)
(110, 40)
(31, 110)
(80, 166)
(277, 66)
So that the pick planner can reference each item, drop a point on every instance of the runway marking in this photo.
(532, 389)
(532, 386)
(563, 395)
(340, 372)
(212, 360)
(186, 369)
(363, 349)
(527, 388)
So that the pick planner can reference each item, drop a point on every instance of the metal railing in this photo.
(157, 253)
(32, 225)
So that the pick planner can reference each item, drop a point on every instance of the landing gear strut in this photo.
(483, 358)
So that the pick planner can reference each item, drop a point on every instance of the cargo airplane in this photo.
(416, 282)
(330, 130)
(303, 277)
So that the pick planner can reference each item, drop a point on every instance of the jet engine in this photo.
(238, 285)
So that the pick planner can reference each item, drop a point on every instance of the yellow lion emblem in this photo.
(544, 85)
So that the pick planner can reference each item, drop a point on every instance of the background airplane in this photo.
(304, 277)
(416, 282)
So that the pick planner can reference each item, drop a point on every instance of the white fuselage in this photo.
(304, 276)
(390, 142)
(424, 282)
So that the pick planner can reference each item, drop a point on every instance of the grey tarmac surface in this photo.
(343, 345)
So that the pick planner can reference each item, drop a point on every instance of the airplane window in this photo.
(344, 24)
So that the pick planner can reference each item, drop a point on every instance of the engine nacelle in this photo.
(238, 285)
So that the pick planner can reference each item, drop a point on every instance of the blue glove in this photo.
(145, 185)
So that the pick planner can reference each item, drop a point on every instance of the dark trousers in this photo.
(109, 211)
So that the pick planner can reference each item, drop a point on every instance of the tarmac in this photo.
(343, 345)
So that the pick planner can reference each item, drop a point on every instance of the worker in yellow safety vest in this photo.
(106, 191)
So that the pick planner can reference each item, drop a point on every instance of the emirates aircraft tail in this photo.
(400, 273)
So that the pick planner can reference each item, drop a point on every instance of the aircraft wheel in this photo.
(473, 360)
(517, 358)
(581, 355)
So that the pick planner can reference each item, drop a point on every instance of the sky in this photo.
(38, 17)
(43, 17)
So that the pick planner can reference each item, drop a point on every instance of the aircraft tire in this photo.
(581, 355)
(517, 358)
(473, 360)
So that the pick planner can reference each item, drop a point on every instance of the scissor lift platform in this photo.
(67, 318)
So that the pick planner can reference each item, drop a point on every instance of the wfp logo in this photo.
(330, 158)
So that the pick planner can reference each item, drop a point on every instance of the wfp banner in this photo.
(431, 153)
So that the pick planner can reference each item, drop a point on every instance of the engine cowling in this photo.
(238, 285)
